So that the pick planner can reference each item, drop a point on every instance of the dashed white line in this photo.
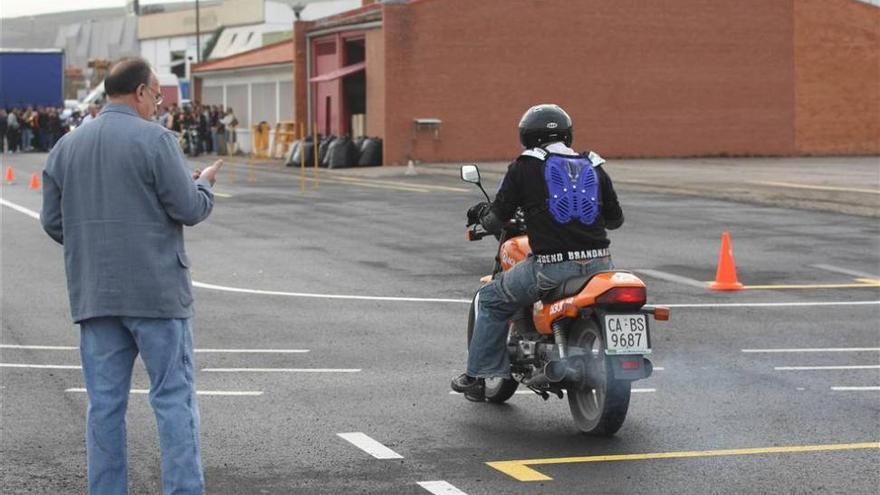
(281, 370)
(774, 305)
(40, 347)
(820, 368)
(370, 446)
(231, 351)
(529, 392)
(41, 366)
(440, 488)
(254, 351)
(817, 349)
(231, 393)
(845, 271)
(855, 389)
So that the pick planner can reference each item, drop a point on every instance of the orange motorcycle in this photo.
(588, 339)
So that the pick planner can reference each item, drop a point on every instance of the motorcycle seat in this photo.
(568, 288)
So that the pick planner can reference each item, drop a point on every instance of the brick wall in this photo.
(837, 77)
(673, 78)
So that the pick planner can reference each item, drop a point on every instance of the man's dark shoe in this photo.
(474, 389)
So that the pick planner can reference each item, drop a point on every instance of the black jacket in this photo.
(524, 186)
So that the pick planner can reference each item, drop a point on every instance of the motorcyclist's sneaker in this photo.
(474, 389)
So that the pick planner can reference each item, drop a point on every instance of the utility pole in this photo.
(198, 36)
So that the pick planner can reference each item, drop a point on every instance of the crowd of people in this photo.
(32, 129)
(202, 128)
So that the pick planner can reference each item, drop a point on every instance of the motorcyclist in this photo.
(568, 202)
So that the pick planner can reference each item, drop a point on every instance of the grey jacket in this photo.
(116, 194)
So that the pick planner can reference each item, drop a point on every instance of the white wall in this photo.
(158, 51)
(254, 94)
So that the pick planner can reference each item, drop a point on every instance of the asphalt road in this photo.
(371, 275)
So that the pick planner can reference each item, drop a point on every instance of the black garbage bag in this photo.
(291, 154)
(342, 153)
(322, 150)
(306, 147)
(371, 153)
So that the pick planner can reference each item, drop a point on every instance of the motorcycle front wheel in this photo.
(598, 403)
(498, 390)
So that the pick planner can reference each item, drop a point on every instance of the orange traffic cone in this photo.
(10, 175)
(35, 182)
(725, 277)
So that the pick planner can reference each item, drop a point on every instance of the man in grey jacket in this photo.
(117, 194)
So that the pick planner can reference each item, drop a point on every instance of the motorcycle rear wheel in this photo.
(498, 390)
(599, 403)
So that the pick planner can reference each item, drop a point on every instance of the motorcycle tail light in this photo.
(623, 296)
(631, 364)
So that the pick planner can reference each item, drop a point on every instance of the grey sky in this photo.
(17, 8)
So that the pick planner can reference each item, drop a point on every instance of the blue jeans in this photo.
(523, 285)
(27, 136)
(108, 347)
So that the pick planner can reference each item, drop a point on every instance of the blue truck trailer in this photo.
(31, 78)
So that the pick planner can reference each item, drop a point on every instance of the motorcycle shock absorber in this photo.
(559, 327)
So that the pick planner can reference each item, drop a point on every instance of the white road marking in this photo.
(671, 277)
(830, 368)
(20, 209)
(280, 370)
(468, 301)
(818, 349)
(75, 348)
(40, 366)
(254, 351)
(529, 392)
(370, 446)
(844, 271)
(855, 389)
(327, 296)
(231, 393)
(440, 488)
(40, 347)
(774, 305)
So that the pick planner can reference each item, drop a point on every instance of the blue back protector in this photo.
(573, 188)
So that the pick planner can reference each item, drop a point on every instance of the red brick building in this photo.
(447, 80)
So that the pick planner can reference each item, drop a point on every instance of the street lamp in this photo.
(198, 36)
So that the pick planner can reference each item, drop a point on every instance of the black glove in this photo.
(476, 212)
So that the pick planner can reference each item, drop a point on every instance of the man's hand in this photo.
(210, 173)
(197, 173)
(477, 211)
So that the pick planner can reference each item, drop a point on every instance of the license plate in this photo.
(626, 334)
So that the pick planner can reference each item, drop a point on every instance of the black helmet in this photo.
(544, 124)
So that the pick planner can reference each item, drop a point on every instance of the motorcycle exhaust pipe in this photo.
(554, 372)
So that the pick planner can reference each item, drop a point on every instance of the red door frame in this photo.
(336, 122)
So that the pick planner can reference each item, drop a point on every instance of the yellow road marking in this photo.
(521, 471)
(370, 184)
(817, 188)
(222, 195)
(406, 184)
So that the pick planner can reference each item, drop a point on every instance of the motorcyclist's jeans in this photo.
(523, 285)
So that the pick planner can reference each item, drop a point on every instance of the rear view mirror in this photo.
(470, 173)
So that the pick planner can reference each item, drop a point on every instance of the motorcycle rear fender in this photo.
(545, 314)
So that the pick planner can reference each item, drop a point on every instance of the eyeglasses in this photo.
(157, 96)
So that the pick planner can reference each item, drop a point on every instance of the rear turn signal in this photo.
(623, 295)
(661, 313)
